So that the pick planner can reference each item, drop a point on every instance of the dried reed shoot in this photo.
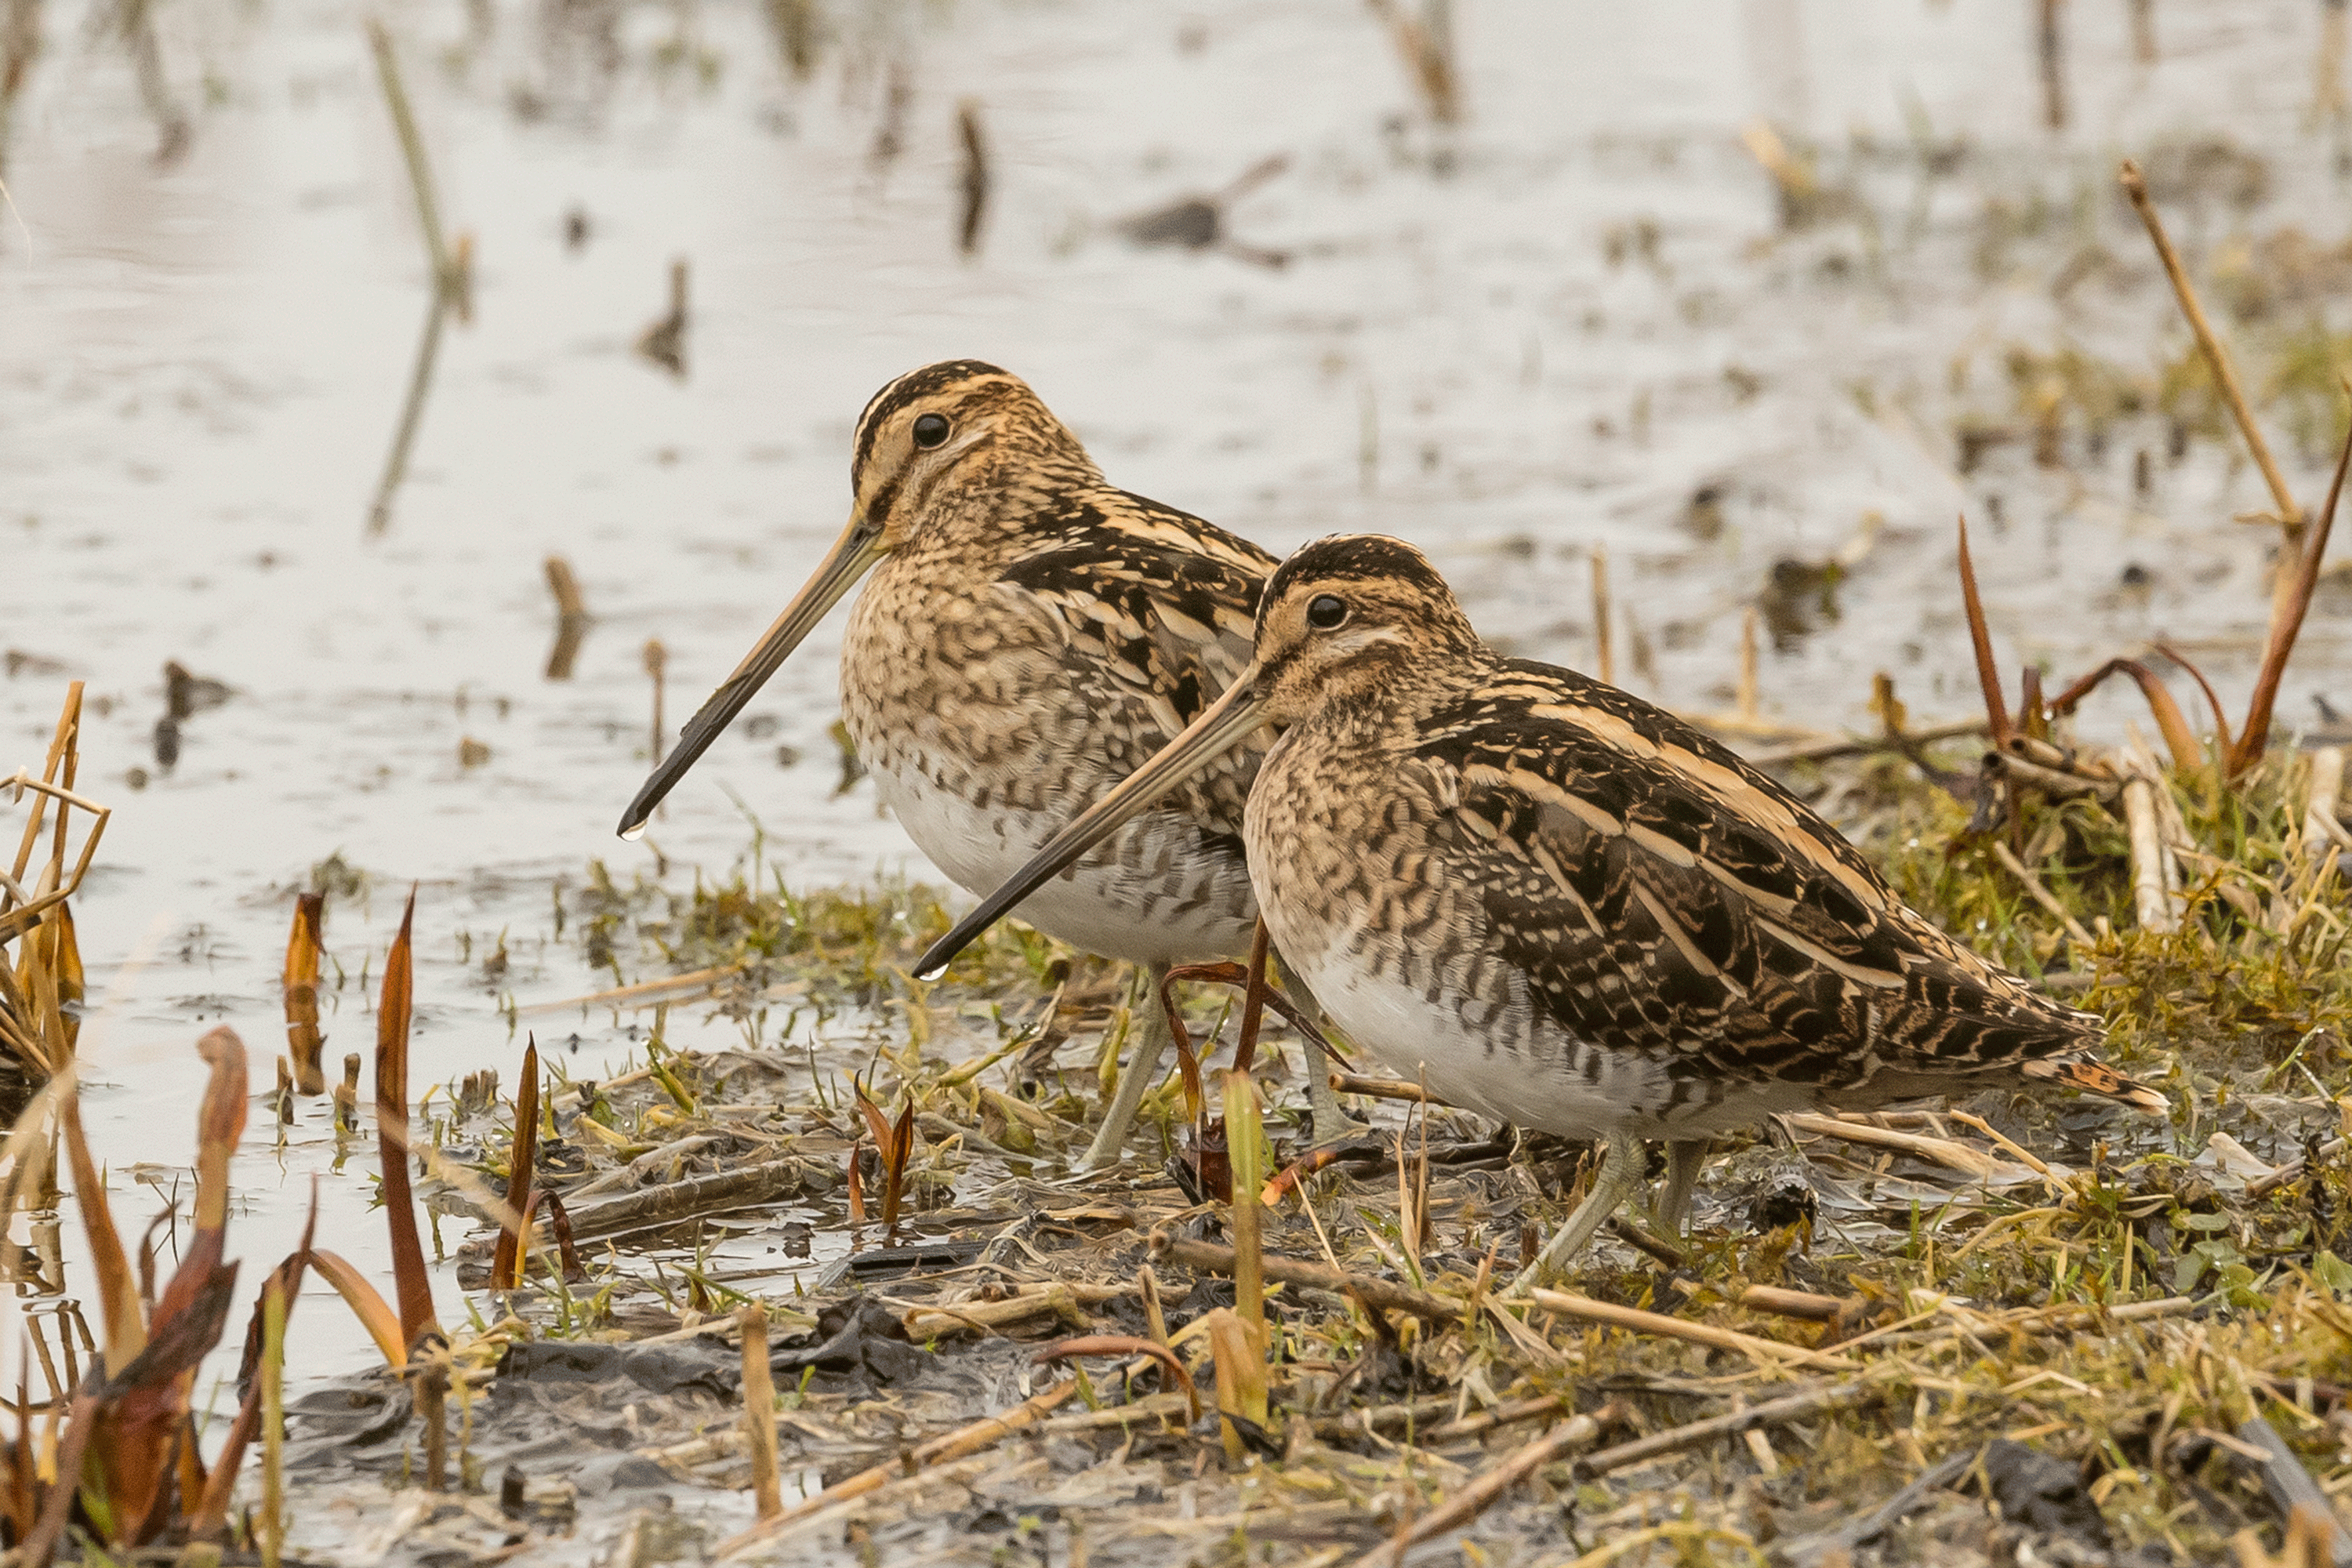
(1980, 639)
(415, 1285)
(304, 944)
(2216, 357)
(271, 1526)
(894, 1143)
(760, 1412)
(2288, 611)
(1252, 1001)
(513, 1259)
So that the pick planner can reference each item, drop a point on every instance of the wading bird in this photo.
(1562, 907)
(1030, 635)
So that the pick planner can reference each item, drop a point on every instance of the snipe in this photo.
(1030, 635)
(1562, 907)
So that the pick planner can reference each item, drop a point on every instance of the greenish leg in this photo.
(1332, 1124)
(1135, 1075)
(1686, 1157)
(1622, 1170)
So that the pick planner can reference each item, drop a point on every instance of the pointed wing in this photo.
(1659, 894)
(1156, 608)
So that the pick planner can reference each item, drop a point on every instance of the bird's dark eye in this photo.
(930, 429)
(1326, 612)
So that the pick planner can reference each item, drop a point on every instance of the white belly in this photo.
(1151, 895)
(1496, 1056)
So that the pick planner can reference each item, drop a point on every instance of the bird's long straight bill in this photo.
(1225, 723)
(852, 556)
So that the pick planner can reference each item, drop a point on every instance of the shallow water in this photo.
(200, 365)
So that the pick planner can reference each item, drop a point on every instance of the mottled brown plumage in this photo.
(1030, 635)
(1562, 906)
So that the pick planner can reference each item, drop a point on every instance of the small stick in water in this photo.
(657, 661)
(572, 618)
(2054, 66)
(2290, 516)
(760, 1412)
(1745, 701)
(1604, 659)
(347, 1095)
(412, 147)
(975, 180)
(663, 342)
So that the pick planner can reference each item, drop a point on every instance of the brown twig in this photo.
(2286, 620)
(760, 1412)
(974, 181)
(1771, 1352)
(2290, 516)
(412, 147)
(1383, 1088)
(1980, 639)
(391, 1132)
(512, 1259)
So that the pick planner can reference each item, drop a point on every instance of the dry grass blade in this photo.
(1980, 639)
(2042, 895)
(1769, 1353)
(415, 1287)
(412, 147)
(118, 1288)
(2287, 612)
(55, 889)
(512, 1257)
(1772, 1413)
